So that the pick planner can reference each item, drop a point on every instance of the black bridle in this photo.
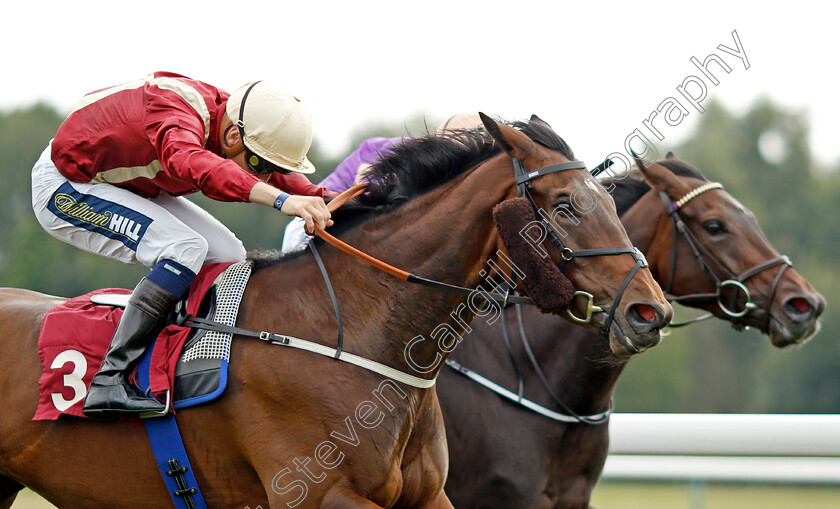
(701, 254)
(523, 188)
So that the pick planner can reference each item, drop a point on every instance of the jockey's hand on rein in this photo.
(311, 209)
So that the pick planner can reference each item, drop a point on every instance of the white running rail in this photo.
(725, 447)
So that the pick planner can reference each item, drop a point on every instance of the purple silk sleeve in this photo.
(369, 152)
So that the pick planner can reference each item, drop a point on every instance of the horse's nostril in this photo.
(800, 304)
(646, 318)
(799, 308)
(647, 313)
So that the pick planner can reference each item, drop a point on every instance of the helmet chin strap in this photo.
(229, 148)
(242, 164)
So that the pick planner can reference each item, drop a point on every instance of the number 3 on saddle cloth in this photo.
(190, 364)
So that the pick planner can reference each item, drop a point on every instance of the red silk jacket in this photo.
(160, 133)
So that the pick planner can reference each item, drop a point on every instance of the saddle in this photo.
(183, 366)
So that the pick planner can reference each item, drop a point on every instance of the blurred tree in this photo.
(24, 134)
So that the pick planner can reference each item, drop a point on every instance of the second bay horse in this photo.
(504, 455)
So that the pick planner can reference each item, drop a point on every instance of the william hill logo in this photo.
(106, 222)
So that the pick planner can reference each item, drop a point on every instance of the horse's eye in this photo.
(564, 207)
(714, 227)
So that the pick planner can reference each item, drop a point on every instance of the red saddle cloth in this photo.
(75, 336)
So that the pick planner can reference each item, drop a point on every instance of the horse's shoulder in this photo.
(19, 298)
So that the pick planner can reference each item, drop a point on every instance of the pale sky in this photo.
(594, 70)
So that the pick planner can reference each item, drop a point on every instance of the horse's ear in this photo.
(670, 155)
(514, 142)
(535, 118)
(661, 178)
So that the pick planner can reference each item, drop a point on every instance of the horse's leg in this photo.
(342, 497)
(8, 491)
(441, 502)
(426, 461)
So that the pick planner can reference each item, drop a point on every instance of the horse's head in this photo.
(709, 252)
(564, 233)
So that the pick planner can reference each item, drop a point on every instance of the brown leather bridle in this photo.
(701, 254)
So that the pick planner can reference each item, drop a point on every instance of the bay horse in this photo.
(295, 429)
(504, 455)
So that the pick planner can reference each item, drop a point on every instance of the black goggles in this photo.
(256, 163)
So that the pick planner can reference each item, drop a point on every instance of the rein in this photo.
(518, 397)
(737, 281)
(595, 419)
(399, 273)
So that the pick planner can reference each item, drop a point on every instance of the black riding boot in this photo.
(110, 393)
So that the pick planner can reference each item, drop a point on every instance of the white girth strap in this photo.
(376, 367)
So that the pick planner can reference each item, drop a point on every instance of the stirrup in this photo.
(162, 413)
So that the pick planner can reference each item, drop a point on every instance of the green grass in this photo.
(623, 495)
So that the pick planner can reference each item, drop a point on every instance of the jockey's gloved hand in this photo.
(311, 209)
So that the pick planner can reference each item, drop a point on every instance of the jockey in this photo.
(112, 182)
(351, 171)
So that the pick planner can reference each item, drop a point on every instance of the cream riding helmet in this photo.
(276, 128)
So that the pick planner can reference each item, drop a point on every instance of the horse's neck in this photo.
(445, 235)
(649, 229)
(577, 363)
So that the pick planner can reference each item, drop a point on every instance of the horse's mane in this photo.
(630, 188)
(414, 167)
(418, 165)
